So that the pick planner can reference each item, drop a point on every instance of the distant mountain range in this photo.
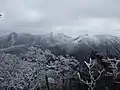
(80, 47)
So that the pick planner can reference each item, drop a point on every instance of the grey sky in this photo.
(73, 17)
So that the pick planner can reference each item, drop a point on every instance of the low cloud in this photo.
(73, 17)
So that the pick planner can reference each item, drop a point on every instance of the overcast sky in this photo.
(72, 17)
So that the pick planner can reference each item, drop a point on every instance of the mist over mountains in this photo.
(79, 47)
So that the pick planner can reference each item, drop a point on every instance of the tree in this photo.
(35, 69)
(92, 74)
(64, 67)
(55, 68)
(11, 72)
(97, 69)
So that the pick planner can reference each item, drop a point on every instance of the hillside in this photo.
(79, 47)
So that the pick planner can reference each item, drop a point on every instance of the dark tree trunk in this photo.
(47, 83)
(70, 87)
(63, 87)
(28, 86)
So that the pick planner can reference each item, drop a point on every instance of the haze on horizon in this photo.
(72, 17)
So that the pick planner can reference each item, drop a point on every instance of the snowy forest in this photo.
(42, 70)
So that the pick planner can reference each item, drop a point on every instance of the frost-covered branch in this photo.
(92, 82)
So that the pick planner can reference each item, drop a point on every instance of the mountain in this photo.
(18, 49)
(86, 39)
(14, 39)
(79, 47)
(106, 45)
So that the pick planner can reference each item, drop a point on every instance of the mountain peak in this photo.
(86, 38)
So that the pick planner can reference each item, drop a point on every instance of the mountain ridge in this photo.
(61, 43)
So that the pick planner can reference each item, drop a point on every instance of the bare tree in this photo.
(92, 77)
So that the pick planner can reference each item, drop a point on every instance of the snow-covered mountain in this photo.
(96, 39)
(13, 39)
(86, 39)
(106, 45)
(61, 43)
